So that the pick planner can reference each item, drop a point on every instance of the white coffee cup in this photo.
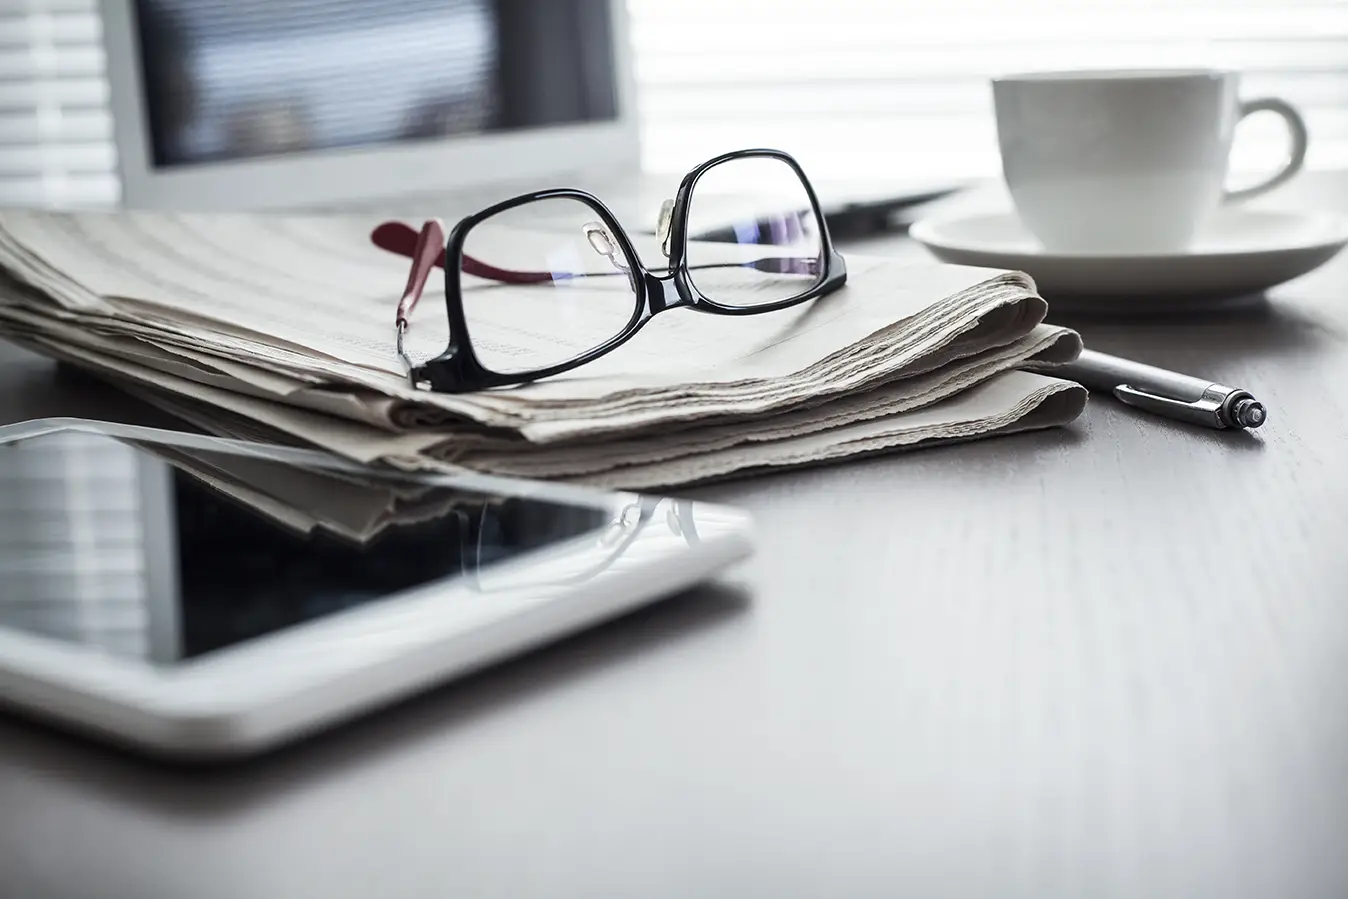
(1127, 161)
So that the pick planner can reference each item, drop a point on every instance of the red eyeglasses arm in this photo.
(401, 238)
(426, 249)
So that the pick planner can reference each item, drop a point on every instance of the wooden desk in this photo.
(1110, 660)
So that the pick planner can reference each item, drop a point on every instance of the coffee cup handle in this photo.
(1296, 129)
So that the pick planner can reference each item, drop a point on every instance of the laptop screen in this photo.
(259, 78)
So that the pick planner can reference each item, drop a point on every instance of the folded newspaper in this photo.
(280, 328)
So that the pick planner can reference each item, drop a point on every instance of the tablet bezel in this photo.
(248, 697)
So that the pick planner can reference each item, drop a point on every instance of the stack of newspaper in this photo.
(281, 328)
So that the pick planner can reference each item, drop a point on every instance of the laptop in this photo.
(416, 106)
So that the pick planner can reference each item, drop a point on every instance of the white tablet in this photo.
(198, 597)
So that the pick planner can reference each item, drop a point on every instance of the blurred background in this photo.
(853, 88)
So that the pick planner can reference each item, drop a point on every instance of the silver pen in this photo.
(1182, 397)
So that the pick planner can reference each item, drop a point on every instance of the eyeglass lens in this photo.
(753, 234)
(543, 283)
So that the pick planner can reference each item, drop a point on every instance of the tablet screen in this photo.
(164, 554)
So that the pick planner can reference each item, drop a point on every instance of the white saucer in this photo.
(1241, 253)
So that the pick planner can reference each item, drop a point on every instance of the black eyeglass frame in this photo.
(458, 370)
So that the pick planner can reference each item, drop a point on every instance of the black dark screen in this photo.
(234, 79)
(168, 557)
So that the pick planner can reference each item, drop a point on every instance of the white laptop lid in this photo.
(261, 104)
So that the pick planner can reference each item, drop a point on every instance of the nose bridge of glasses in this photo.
(662, 293)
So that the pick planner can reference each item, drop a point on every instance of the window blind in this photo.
(56, 144)
(855, 87)
(863, 87)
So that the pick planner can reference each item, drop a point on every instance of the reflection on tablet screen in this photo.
(166, 555)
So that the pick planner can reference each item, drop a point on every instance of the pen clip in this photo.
(1206, 410)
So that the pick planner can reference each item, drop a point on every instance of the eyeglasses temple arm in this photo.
(397, 237)
(426, 254)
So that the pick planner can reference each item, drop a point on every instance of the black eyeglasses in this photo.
(548, 281)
